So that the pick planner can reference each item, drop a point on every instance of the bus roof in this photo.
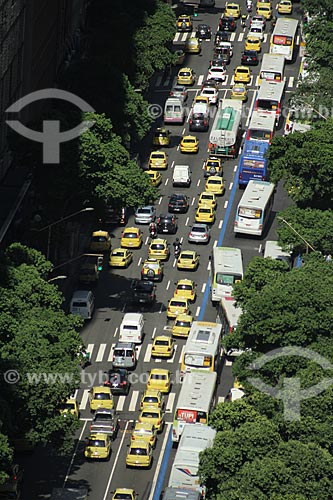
(196, 438)
(273, 62)
(257, 194)
(203, 339)
(197, 391)
(271, 90)
(232, 312)
(255, 149)
(285, 26)
(262, 121)
(226, 259)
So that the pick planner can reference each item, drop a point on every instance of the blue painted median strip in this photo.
(164, 464)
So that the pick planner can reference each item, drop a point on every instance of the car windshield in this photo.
(158, 156)
(68, 406)
(184, 287)
(227, 279)
(142, 431)
(149, 414)
(98, 239)
(185, 73)
(130, 235)
(117, 253)
(214, 181)
(103, 416)
(242, 70)
(198, 116)
(122, 496)
(209, 91)
(187, 256)
(189, 140)
(177, 303)
(207, 197)
(160, 134)
(150, 399)
(216, 70)
(183, 323)
(198, 229)
(157, 246)
(162, 342)
(102, 395)
(150, 266)
(138, 451)
(204, 210)
(144, 210)
(97, 443)
(158, 376)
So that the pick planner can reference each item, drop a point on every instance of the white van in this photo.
(174, 110)
(83, 303)
(131, 328)
(181, 176)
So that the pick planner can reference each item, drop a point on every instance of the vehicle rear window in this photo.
(97, 443)
(130, 235)
(150, 399)
(149, 414)
(157, 246)
(198, 229)
(98, 239)
(79, 304)
(117, 254)
(178, 303)
(187, 256)
(184, 287)
(130, 327)
(120, 353)
(102, 396)
(138, 451)
(161, 342)
(144, 210)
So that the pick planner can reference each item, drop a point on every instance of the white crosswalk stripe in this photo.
(265, 38)
(121, 402)
(193, 34)
(147, 357)
(184, 37)
(170, 402)
(90, 349)
(133, 401)
(100, 353)
(232, 37)
(84, 399)
(110, 356)
(177, 35)
(257, 81)
(291, 81)
(241, 36)
(200, 79)
(221, 399)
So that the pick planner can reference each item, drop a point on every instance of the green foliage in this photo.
(107, 170)
(6, 456)
(304, 161)
(314, 225)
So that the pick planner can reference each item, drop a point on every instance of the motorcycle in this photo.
(177, 251)
(243, 22)
(153, 232)
(84, 359)
(249, 6)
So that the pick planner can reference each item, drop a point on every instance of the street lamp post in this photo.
(49, 226)
(297, 233)
(61, 277)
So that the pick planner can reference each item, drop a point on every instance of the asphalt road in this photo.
(44, 471)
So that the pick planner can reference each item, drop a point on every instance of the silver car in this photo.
(200, 233)
(145, 215)
(180, 92)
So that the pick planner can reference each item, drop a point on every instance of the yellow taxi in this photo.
(158, 160)
(192, 46)
(131, 238)
(207, 198)
(70, 407)
(184, 23)
(124, 494)
(189, 144)
(120, 257)
(158, 249)
(232, 10)
(153, 416)
(285, 7)
(215, 184)
(155, 177)
(101, 397)
(242, 74)
(100, 241)
(144, 431)
(205, 214)
(163, 347)
(159, 379)
(152, 270)
(186, 289)
(264, 10)
(140, 454)
(201, 99)
(188, 259)
(98, 446)
(161, 137)
(213, 166)
(177, 306)
(151, 397)
(239, 91)
(253, 43)
(185, 76)
(182, 325)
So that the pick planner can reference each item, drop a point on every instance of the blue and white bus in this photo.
(253, 164)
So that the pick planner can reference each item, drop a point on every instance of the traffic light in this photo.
(195, 13)
(100, 263)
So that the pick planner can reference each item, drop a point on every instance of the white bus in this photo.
(254, 208)
(202, 349)
(272, 68)
(283, 39)
(226, 270)
(228, 315)
(261, 127)
(195, 401)
(269, 98)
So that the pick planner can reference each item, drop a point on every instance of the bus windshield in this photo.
(249, 213)
(192, 416)
(267, 104)
(264, 135)
(227, 279)
(195, 360)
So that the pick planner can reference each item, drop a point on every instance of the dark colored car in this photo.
(250, 58)
(222, 54)
(227, 24)
(204, 31)
(117, 380)
(178, 203)
(221, 36)
(199, 122)
(210, 83)
(106, 422)
(115, 216)
(143, 292)
(167, 224)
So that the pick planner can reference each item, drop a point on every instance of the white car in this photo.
(226, 45)
(257, 31)
(211, 93)
(217, 73)
(260, 20)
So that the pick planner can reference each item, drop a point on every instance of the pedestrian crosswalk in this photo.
(229, 81)
(182, 37)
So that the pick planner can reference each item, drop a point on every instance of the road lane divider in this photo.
(170, 402)
(162, 464)
(100, 353)
(171, 360)
(84, 399)
(106, 494)
(74, 453)
(133, 401)
(121, 402)
(147, 357)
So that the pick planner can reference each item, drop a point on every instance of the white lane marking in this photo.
(257, 81)
(228, 363)
(133, 401)
(203, 288)
(159, 463)
(115, 332)
(171, 360)
(147, 357)
(121, 402)
(182, 354)
(154, 333)
(90, 348)
(241, 36)
(251, 107)
(226, 204)
(138, 350)
(168, 285)
(106, 494)
(197, 312)
(161, 309)
(220, 223)
(220, 399)
(187, 219)
(110, 356)
(76, 394)
(170, 402)
(235, 168)
(232, 36)
(209, 266)
(147, 239)
(215, 244)
(158, 81)
(260, 248)
(166, 182)
(297, 40)
(193, 200)
(200, 79)
(181, 239)
(184, 36)
(174, 263)
(177, 35)
(203, 165)
(84, 400)
(198, 183)
(160, 200)
(183, 131)
(230, 187)
(178, 147)
(291, 81)
(139, 261)
(265, 38)
(100, 353)
(74, 454)
(172, 164)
